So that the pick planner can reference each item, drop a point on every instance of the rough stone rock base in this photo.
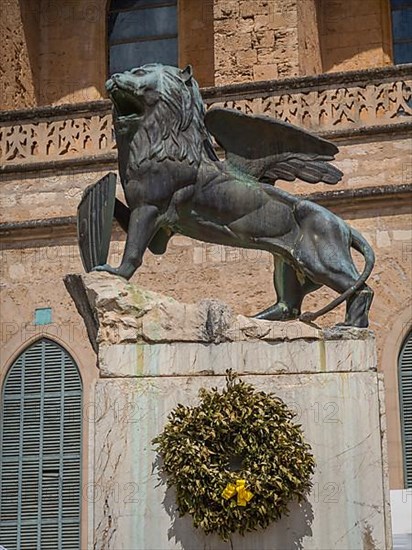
(155, 353)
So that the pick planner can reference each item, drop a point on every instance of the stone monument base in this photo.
(154, 353)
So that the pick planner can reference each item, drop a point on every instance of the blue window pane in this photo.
(402, 53)
(400, 3)
(43, 316)
(142, 23)
(402, 24)
(124, 57)
(130, 4)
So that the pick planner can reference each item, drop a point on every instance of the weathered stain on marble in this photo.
(155, 353)
(195, 359)
(127, 313)
(340, 416)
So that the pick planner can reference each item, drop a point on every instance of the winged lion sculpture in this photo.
(174, 182)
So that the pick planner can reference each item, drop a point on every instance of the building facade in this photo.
(339, 69)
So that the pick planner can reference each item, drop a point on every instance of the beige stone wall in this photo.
(373, 163)
(354, 35)
(310, 61)
(255, 40)
(42, 195)
(32, 278)
(56, 52)
(384, 161)
(191, 271)
(196, 29)
(73, 65)
(18, 54)
(263, 40)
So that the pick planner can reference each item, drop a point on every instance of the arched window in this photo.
(405, 399)
(40, 453)
(142, 31)
(402, 31)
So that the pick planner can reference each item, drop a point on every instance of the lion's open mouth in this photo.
(125, 103)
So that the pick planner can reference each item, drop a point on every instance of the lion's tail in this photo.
(360, 244)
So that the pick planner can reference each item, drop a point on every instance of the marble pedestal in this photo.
(154, 353)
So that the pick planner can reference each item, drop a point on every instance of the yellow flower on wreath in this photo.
(243, 495)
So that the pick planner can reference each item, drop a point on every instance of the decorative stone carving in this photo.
(324, 104)
(51, 140)
(332, 108)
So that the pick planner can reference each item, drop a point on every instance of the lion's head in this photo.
(160, 112)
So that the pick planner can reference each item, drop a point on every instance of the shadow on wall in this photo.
(353, 35)
(288, 533)
(66, 48)
(67, 51)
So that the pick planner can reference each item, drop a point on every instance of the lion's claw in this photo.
(106, 267)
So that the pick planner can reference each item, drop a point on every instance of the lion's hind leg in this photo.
(290, 291)
(325, 252)
(357, 308)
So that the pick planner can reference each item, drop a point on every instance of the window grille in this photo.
(140, 32)
(40, 455)
(405, 399)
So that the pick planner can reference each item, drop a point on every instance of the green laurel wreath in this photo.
(238, 438)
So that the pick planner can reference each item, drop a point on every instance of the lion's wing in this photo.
(271, 149)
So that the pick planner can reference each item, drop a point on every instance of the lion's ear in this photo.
(187, 75)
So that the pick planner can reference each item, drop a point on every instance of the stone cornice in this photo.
(341, 106)
(106, 160)
(300, 83)
(389, 196)
(67, 110)
(210, 93)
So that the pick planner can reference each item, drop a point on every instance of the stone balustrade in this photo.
(56, 134)
(329, 104)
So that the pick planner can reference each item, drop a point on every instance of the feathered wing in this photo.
(270, 149)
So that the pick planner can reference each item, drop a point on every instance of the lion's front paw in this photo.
(125, 270)
(106, 267)
(278, 312)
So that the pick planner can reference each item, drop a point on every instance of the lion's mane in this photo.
(175, 129)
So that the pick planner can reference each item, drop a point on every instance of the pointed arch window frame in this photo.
(38, 529)
(405, 405)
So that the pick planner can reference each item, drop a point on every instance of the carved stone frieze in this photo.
(331, 109)
(51, 139)
(323, 104)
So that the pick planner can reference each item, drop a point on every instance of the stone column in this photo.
(154, 352)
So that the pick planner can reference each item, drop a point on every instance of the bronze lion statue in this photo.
(174, 182)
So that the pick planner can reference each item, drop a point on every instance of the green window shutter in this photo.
(40, 458)
(405, 398)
